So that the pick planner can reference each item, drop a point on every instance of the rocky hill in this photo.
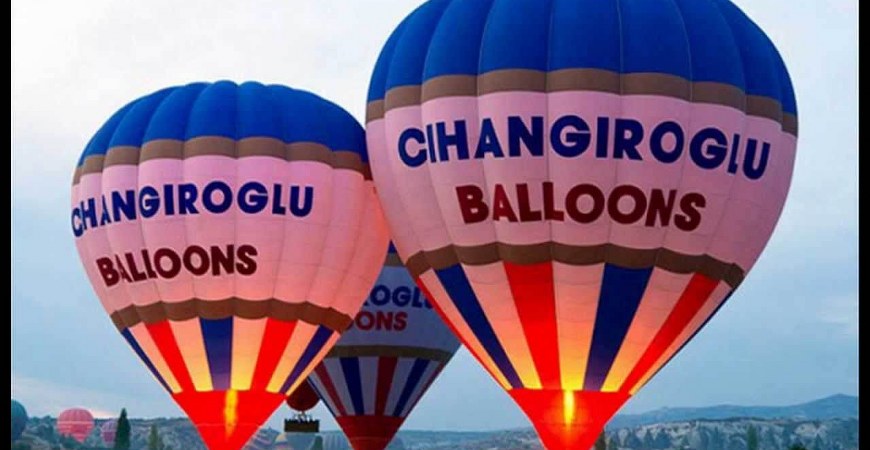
(827, 424)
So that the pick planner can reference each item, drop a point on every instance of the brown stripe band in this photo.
(576, 256)
(231, 307)
(581, 80)
(221, 146)
(351, 351)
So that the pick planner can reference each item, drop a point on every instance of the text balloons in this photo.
(231, 232)
(382, 366)
(579, 184)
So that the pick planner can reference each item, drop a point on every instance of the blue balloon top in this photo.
(225, 109)
(19, 419)
(697, 40)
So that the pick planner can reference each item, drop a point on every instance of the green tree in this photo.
(155, 442)
(122, 433)
(752, 438)
(601, 442)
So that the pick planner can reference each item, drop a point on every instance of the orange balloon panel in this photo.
(231, 233)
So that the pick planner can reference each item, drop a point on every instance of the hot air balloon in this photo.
(301, 400)
(108, 430)
(382, 366)
(19, 420)
(579, 184)
(76, 423)
(230, 232)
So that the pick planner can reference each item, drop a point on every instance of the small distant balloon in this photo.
(108, 430)
(303, 398)
(19, 420)
(76, 423)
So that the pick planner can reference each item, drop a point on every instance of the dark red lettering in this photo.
(691, 216)
(107, 271)
(471, 203)
(572, 203)
(501, 206)
(660, 208)
(637, 210)
(247, 265)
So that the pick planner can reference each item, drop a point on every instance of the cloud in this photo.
(42, 397)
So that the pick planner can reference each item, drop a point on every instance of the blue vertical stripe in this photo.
(413, 380)
(324, 398)
(218, 338)
(353, 382)
(459, 290)
(145, 359)
(317, 342)
(621, 291)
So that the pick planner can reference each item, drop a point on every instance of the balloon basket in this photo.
(302, 423)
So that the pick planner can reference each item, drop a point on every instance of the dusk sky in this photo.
(788, 335)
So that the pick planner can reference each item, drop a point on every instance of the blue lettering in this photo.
(533, 140)
(208, 197)
(420, 157)
(253, 197)
(716, 152)
(657, 147)
(575, 142)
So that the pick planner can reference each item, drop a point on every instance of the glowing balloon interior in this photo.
(230, 232)
(380, 368)
(579, 184)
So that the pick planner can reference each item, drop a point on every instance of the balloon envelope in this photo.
(108, 430)
(579, 184)
(303, 398)
(230, 232)
(382, 366)
(19, 420)
(76, 423)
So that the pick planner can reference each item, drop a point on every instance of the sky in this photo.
(788, 335)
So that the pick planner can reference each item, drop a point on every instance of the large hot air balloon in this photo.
(19, 420)
(231, 232)
(380, 368)
(108, 430)
(579, 184)
(76, 423)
